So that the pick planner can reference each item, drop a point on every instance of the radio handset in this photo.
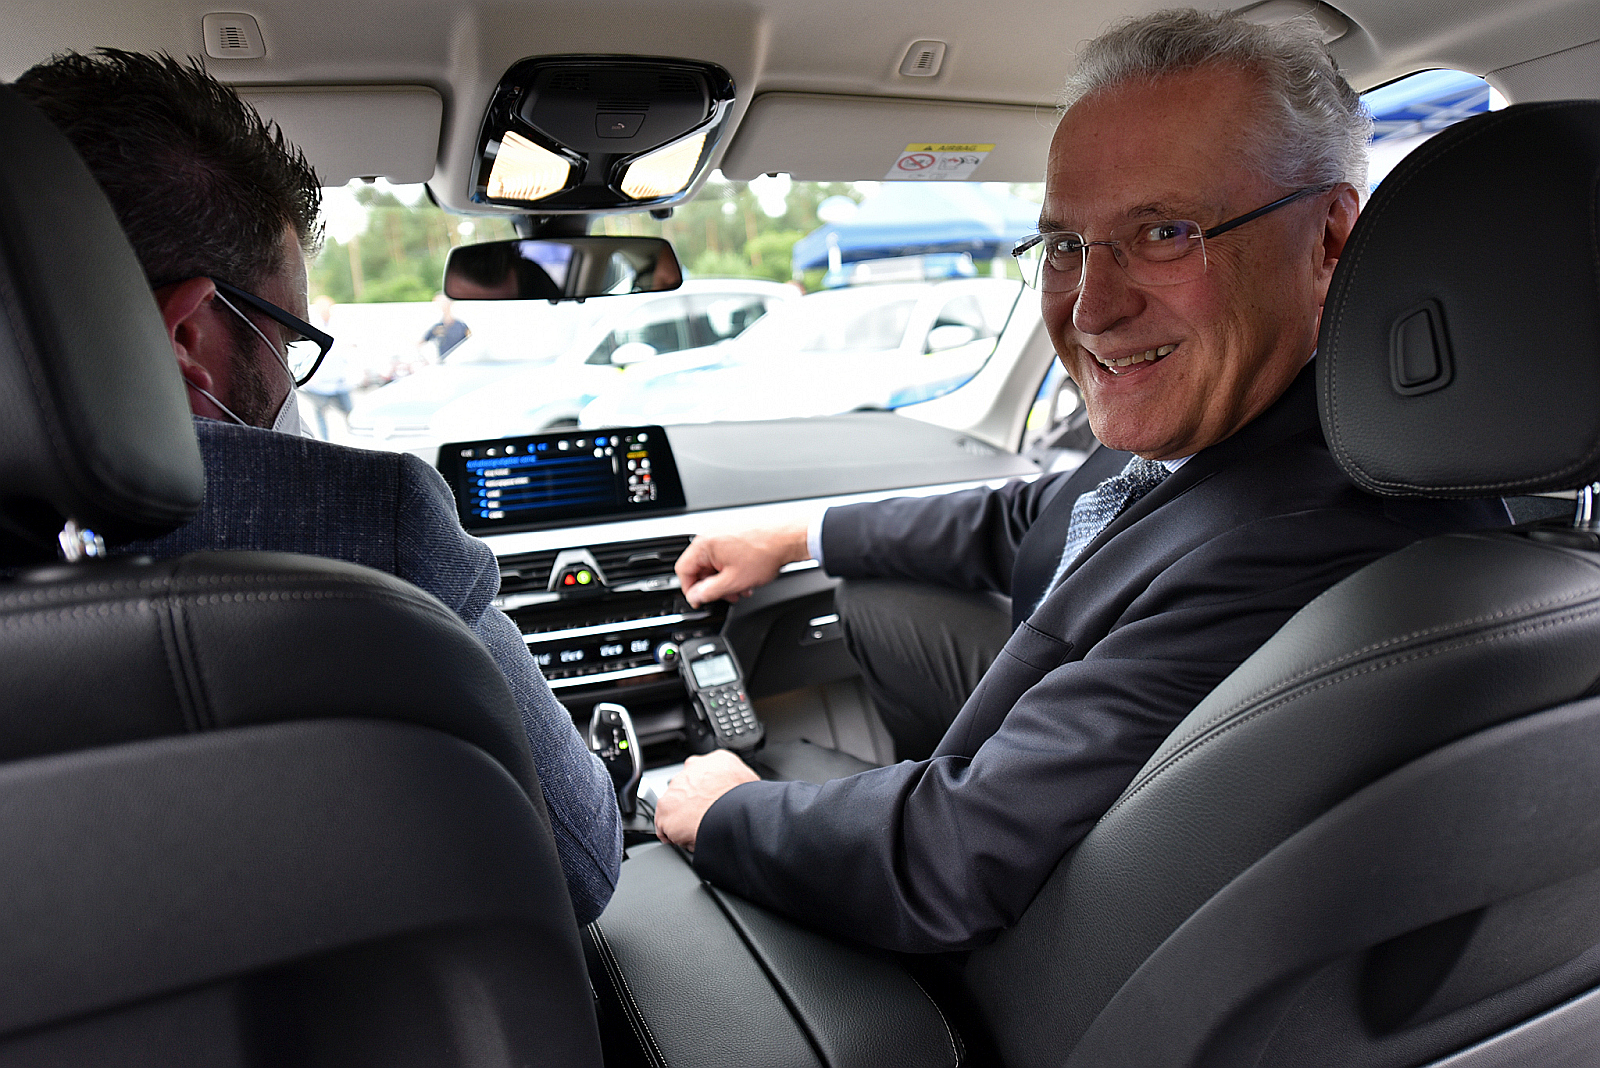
(716, 685)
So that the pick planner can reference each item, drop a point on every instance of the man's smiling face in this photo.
(1167, 370)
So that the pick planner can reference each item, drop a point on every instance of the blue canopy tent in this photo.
(1425, 103)
(922, 218)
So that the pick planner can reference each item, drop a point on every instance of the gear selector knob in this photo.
(612, 738)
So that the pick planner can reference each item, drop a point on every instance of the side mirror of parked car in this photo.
(950, 336)
(631, 353)
(572, 268)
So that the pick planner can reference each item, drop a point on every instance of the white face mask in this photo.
(288, 420)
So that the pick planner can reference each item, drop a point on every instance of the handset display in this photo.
(716, 684)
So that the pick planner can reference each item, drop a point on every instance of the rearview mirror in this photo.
(571, 268)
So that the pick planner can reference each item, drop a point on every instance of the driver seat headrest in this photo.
(94, 419)
(1460, 343)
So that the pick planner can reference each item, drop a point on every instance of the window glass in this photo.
(1408, 111)
(916, 275)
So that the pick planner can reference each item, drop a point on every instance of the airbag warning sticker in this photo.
(937, 163)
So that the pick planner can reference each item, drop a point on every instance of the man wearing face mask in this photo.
(222, 213)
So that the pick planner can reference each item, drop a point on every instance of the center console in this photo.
(611, 634)
(603, 622)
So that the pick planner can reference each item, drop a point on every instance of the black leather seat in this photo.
(254, 808)
(1378, 842)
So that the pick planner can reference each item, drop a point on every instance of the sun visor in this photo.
(820, 137)
(360, 131)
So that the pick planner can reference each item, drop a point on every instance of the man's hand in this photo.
(691, 792)
(731, 566)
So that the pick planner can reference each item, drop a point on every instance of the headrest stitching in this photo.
(1424, 156)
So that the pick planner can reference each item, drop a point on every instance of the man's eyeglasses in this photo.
(307, 345)
(1152, 253)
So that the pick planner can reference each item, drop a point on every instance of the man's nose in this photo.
(1106, 296)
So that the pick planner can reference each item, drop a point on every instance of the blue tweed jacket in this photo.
(392, 512)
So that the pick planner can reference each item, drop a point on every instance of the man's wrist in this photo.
(814, 537)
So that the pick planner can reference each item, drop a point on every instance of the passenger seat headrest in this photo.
(94, 419)
(1460, 344)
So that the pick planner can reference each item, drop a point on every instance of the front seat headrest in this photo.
(94, 419)
(1460, 343)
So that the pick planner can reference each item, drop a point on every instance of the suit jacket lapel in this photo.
(1036, 561)
(1293, 413)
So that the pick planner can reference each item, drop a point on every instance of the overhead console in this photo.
(599, 133)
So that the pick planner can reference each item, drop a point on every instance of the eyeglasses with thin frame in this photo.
(1152, 253)
(307, 346)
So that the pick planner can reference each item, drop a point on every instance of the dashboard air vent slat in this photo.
(629, 561)
(526, 572)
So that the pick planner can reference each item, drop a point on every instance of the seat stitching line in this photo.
(189, 653)
(1191, 747)
(949, 1032)
(1389, 643)
(634, 1013)
(166, 626)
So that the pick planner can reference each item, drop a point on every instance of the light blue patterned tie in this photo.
(1092, 512)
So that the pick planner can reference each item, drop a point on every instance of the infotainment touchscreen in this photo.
(510, 483)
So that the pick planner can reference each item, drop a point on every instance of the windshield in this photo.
(846, 321)
(906, 285)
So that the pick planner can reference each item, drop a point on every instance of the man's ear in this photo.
(1336, 226)
(199, 341)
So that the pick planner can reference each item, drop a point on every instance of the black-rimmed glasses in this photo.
(1152, 253)
(307, 346)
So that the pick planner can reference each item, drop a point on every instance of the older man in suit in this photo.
(1200, 188)
(222, 213)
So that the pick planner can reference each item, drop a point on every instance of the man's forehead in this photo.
(1167, 147)
(1066, 215)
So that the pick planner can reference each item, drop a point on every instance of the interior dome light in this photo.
(524, 171)
(665, 171)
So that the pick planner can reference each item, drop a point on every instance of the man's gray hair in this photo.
(1316, 128)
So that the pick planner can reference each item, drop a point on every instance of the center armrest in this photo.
(706, 979)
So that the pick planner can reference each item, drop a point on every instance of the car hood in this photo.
(417, 396)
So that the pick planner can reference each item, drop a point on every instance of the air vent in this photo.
(232, 35)
(923, 59)
(526, 572)
(629, 561)
(678, 83)
(570, 82)
(622, 105)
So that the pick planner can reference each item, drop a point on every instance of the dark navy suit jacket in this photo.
(943, 853)
(392, 512)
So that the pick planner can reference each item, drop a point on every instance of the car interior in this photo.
(1373, 844)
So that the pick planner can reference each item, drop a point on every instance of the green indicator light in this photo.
(623, 744)
(584, 578)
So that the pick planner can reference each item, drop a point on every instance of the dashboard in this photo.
(590, 583)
